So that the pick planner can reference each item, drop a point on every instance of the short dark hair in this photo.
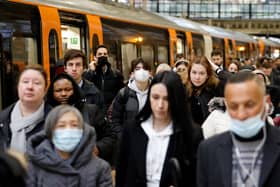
(217, 52)
(137, 61)
(245, 76)
(74, 53)
(75, 98)
(100, 46)
(36, 67)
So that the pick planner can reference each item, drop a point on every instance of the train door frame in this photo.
(172, 45)
(189, 45)
(49, 21)
(94, 31)
(208, 45)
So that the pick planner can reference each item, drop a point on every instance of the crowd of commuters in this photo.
(200, 123)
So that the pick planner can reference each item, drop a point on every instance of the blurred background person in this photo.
(61, 155)
(233, 67)
(217, 58)
(161, 131)
(163, 67)
(25, 117)
(64, 90)
(181, 67)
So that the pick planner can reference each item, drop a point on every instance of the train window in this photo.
(53, 50)
(129, 52)
(24, 51)
(147, 53)
(198, 45)
(21, 37)
(163, 54)
(218, 43)
(73, 31)
(180, 45)
(242, 49)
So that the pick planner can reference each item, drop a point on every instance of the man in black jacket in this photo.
(109, 81)
(74, 64)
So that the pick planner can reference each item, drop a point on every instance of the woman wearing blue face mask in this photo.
(62, 154)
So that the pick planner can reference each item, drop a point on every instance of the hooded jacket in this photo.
(82, 169)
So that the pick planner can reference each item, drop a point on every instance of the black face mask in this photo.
(278, 67)
(102, 61)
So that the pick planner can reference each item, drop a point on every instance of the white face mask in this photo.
(141, 75)
(247, 128)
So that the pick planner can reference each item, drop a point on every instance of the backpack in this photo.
(124, 93)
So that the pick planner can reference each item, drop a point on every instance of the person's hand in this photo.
(214, 66)
(95, 151)
(92, 65)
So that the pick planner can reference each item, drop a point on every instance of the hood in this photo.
(132, 85)
(41, 152)
(141, 95)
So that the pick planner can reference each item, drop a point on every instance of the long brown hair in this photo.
(211, 81)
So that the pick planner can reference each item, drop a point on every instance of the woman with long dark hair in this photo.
(161, 132)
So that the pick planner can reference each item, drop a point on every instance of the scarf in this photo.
(21, 125)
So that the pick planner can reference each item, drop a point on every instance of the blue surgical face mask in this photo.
(247, 128)
(67, 139)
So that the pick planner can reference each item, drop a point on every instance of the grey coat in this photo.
(82, 169)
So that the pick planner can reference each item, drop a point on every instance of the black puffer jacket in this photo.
(92, 94)
(5, 131)
(106, 136)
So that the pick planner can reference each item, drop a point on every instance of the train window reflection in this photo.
(162, 54)
(129, 52)
(24, 51)
(147, 53)
(198, 45)
(71, 37)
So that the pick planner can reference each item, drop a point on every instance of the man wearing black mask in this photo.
(109, 81)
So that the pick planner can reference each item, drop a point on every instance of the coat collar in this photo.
(271, 153)
(224, 154)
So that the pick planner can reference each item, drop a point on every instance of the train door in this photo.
(95, 34)
(20, 41)
(181, 45)
(198, 49)
(74, 32)
(51, 40)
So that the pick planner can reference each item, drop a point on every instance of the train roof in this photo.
(112, 10)
(211, 30)
(123, 12)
